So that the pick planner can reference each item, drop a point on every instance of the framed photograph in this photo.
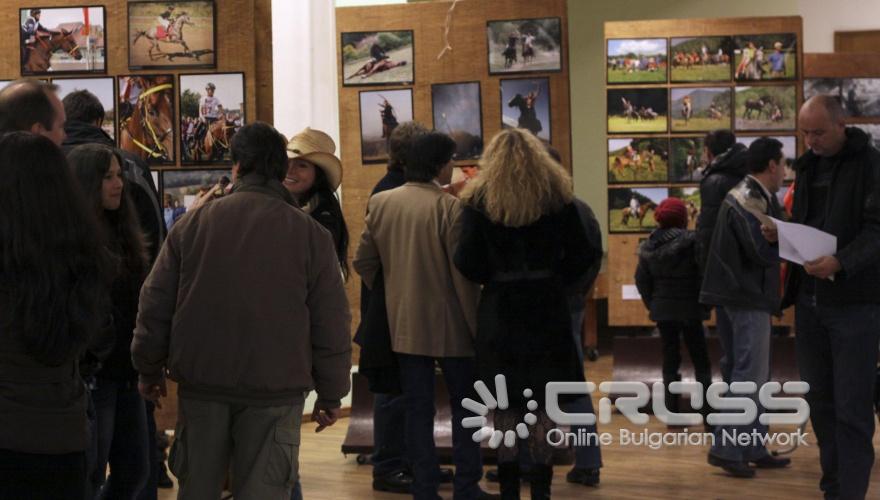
(457, 112)
(861, 97)
(700, 109)
(823, 86)
(378, 58)
(686, 159)
(172, 34)
(766, 108)
(637, 110)
(638, 160)
(690, 195)
(381, 112)
(873, 130)
(62, 40)
(637, 60)
(212, 110)
(525, 103)
(102, 87)
(147, 123)
(181, 188)
(701, 59)
(524, 45)
(631, 210)
(789, 149)
(765, 57)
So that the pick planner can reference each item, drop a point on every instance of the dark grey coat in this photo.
(668, 276)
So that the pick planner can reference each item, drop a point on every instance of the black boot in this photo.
(508, 477)
(542, 476)
(706, 380)
(671, 400)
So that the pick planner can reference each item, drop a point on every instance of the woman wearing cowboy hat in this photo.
(313, 175)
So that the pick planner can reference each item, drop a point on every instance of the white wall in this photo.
(823, 17)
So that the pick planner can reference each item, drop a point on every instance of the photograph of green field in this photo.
(765, 57)
(765, 108)
(631, 210)
(640, 60)
(637, 160)
(691, 198)
(703, 59)
(686, 159)
(700, 109)
(637, 110)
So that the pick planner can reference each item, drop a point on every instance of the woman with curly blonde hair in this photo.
(522, 239)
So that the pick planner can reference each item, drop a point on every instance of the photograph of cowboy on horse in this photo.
(171, 34)
(210, 114)
(62, 40)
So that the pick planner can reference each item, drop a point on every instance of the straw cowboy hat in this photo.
(318, 148)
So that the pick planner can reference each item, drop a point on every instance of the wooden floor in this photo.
(628, 472)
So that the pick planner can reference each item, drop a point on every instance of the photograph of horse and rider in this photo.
(524, 45)
(171, 34)
(525, 103)
(211, 112)
(859, 97)
(377, 58)
(62, 40)
(631, 210)
(700, 109)
(381, 112)
(637, 110)
(638, 160)
(146, 117)
(766, 108)
(765, 57)
(687, 160)
(637, 60)
(702, 59)
(102, 88)
(457, 112)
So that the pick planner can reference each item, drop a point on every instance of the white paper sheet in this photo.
(799, 243)
(630, 292)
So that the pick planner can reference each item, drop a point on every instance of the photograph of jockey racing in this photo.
(62, 40)
(211, 112)
(171, 35)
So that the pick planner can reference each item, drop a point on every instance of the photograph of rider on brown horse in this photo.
(377, 58)
(62, 40)
(701, 59)
(631, 210)
(211, 112)
(146, 120)
(524, 45)
(172, 34)
(525, 103)
(381, 112)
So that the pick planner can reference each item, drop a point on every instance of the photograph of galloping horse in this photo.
(146, 117)
(171, 34)
(62, 40)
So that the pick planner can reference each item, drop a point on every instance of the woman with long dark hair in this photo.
(52, 287)
(121, 425)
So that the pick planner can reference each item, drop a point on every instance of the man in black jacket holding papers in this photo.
(838, 296)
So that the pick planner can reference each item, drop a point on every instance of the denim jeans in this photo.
(749, 358)
(417, 380)
(725, 335)
(121, 440)
(837, 356)
(389, 447)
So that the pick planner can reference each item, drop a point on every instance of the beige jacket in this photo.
(411, 234)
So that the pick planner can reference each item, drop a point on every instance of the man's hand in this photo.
(770, 233)
(324, 416)
(823, 267)
(152, 392)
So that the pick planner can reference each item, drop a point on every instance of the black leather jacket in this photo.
(725, 172)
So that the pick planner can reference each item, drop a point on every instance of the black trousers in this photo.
(47, 477)
(671, 333)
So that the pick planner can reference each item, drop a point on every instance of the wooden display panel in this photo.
(857, 41)
(622, 248)
(466, 62)
(842, 66)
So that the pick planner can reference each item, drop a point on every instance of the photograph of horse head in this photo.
(100, 87)
(381, 112)
(146, 117)
(172, 34)
(181, 188)
(637, 60)
(524, 45)
(631, 210)
(686, 159)
(457, 112)
(700, 109)
(525, 103)
(766, 108)
(637, 110)
(638, 160)
(62, 40)
(789, 150)
(765, 57)
(690, 195)
(211, 112)
(702, 59)
(377, 58)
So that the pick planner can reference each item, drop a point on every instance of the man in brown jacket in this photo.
(411, 234)
(246, 310)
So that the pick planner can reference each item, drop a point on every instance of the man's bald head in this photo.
(32, 106)
(821, 120)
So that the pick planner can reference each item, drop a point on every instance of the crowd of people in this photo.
(100, 304)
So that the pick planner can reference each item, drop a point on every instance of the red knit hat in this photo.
(671, 213)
